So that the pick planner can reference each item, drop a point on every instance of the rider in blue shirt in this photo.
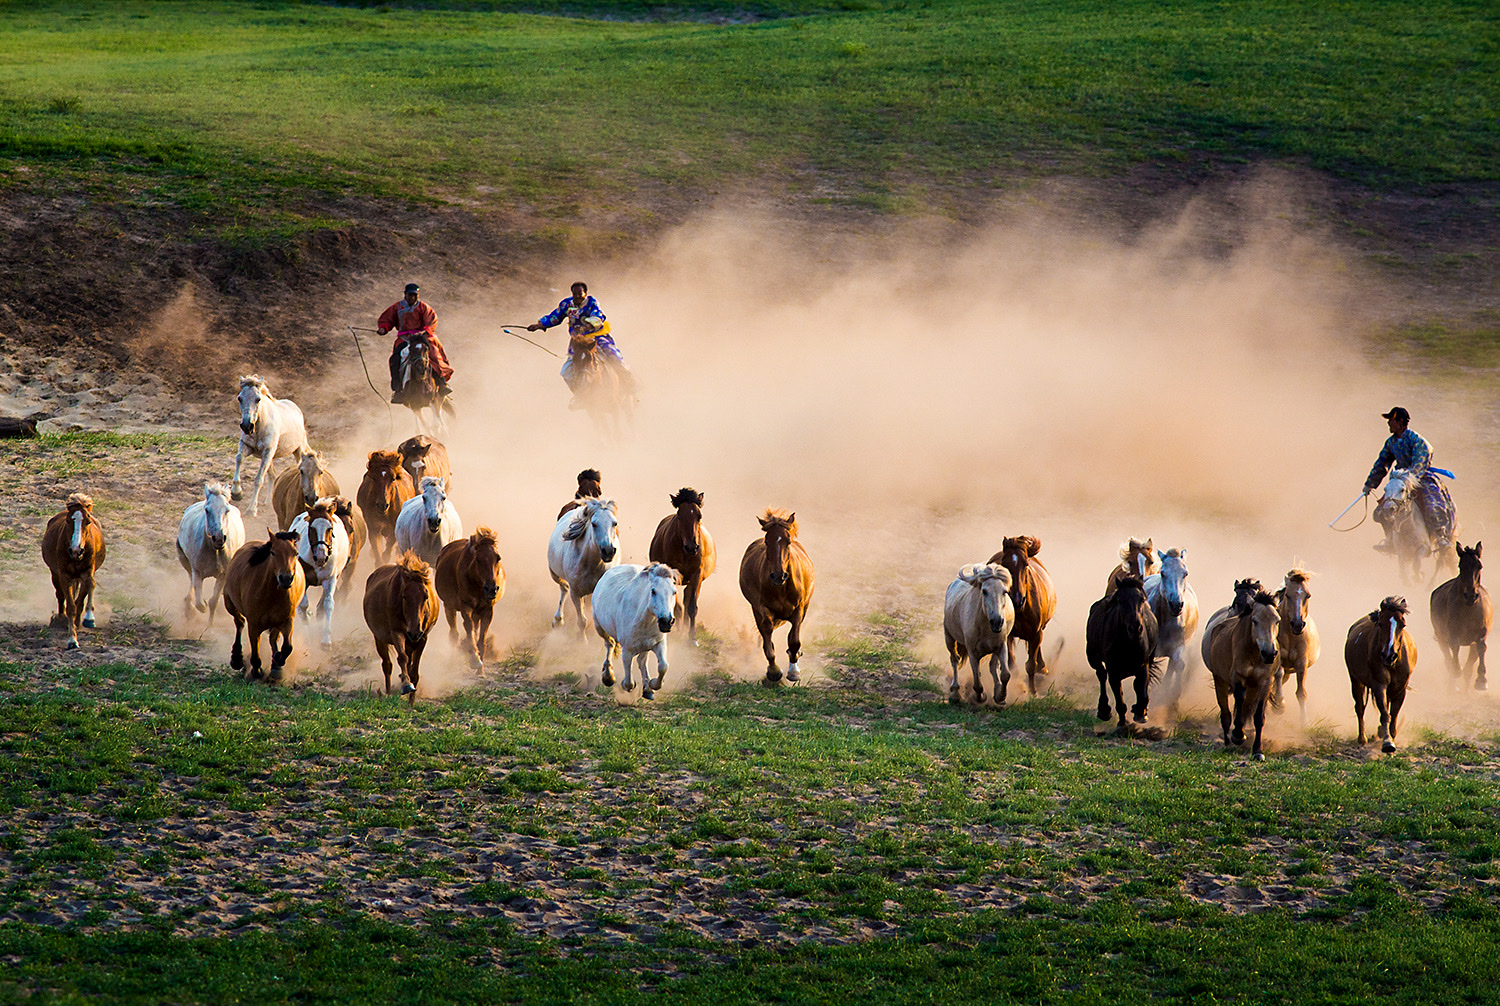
(585, 319)
(1406, 451)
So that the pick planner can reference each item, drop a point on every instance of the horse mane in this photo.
(686, 495)
(324, 507)
(1263, 597)
(81, 500)
(484, 535)
(263, 550)
(662, 569)
(342, 505)
(785, 518)
(430, 480)
(1130, 580)
(389, 459)
(1392, 603)
(1298, 575)
(215, 489)
(1134, 545)
(976, 573)
(412, 565)
(1172, 553)
(1031, 546)
(590, 484)
(252, 379)
(584, 514)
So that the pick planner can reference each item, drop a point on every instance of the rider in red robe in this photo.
(409, 316)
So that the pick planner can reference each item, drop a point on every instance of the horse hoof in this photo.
(1258, 756)
(773, 674)
(408, 688)
(72, 644)
(1103, 711)
(326, 646)
(629, 686)
(88, 622)
(792, 674)
(1480, 685)
(236, 494)
(1388, 747)
(1138, 717)
(646, 694)
(608, 680)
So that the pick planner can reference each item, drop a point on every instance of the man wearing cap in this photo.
(586, 323)
(1405, 450)
(410, 316)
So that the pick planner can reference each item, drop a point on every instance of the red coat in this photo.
(408, 319)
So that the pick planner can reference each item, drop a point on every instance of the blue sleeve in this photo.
(1421, 455)
(1382, 465)
(555, 317)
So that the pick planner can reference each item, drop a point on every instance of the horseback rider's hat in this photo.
(412, 288)
(1398, 413)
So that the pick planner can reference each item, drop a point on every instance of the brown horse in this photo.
(1380, 655)
(401, 607)
(1461, 616)
(682, 542)
(776, 577)
(1121, 636)
(385, 489)
(1138, 559)
(353, 519)
(298, 490)
(73, 549)
(589, 487)
(423, 456)
(1240, 652)
(1297, 639)
(469, 580)
(1034, 598)
(264, 585)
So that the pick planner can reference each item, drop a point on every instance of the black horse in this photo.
(1121, 643)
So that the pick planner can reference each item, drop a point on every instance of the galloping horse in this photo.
(634, 609)
(419, 389)
(776, 577)
(1461, 616)
(1413, 540)
(270, 428)
(1034, 599)
(584, 543)
(209, 533)
(1175, 605)
(423, 456)
(73, 549)
(401, 607)
(265, 583)
(599, 389)
(1240, 651)
(978, 615)
(1296, 637)
(385, 489)
(682, 542)
(359, 532)
(428, 522)
(1121, 643)
(589, 487)
(297, 489)
(1380, 655)
(1137, 559)
(323, 547)
(469, 580)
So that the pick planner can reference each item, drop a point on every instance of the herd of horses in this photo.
(1147, 616)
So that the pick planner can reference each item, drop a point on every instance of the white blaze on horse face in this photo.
(77, 543)
(1173, 573)
(606, 535)
(433, 499)
(1140, 563)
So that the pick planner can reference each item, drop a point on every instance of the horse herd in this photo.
(1147, 615)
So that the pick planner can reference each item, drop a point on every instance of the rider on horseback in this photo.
(1408, 452)
(586, 327)
(411, 317)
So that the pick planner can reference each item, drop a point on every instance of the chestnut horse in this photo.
(1461, 616)
(1380, 655)
(1240, 652)
(401, 607)
(776, 577)
(73, 549)
(589, 487)
(298, 489)
(1297, 637)
(424, 457)
(469, 580)
(385, 489)
(682, 542)
(1137, 559)
(264, 585)
(419, 389)
(1034, 598)
(1121, 637)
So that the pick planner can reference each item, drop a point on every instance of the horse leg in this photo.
(1000, 680)
(627, 661)
(1302, 688)
(1117, 685)
(325, 610)
(398, 643)
(1240, 712)
(1276, 682)
(1378, 694)
(690, 606)
(237, 652)
(660, 649)
(1359, 707)
(468, 617)
(794, 644)
(194, 599)
(482, 645)
(60, 587)
(414, 670)
(956, 654)
(451, 614)
(382, 648)
(1397, 699)
(1103, 695)
(606, 673)
(254, 670)
(1036, 666)
(1221, 693)
(562, 598)
(74, 612)
(583, 623)
(1260, 723)
(1478, 652)
(764, 625)
(260, 476)
(974, 659)
(86, 595)
(1142, 698)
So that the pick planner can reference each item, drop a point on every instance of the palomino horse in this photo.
(978, 616)
(1175, 605)
(682, 542)
(634, 609)
(1034, 598)
(469, 580)
(599, 389)
(323, 546)
(776, 577)
(208, 535)
(428, 522)
(1461, 616)
(1137, 559)
(1121, 639)
(401, 607)
(270, 428)
(385, 489)
(1297, 636)
(1413, 541)
(584, 543)
(297, 489)
(265, 583)
(589, 487)
(359, 532)
(73, 549)
(423, 456)
(1380, 655)
(1241, 654)
(419, 389)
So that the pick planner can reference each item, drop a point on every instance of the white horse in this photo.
(208, 535)
(1175, 605)
(585, 543)
(323, 547)
(634, 608)
(270, 428)
(978, 615)
(427, 522)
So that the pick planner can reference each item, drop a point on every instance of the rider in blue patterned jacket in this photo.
(585, 319)
(1405, 450)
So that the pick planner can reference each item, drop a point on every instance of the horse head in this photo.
(484, 547)
(1015, 554)
(280, 549)
(993, 581)
(1292, 598)
(414, 453)
(215, 508)
(311, 466)
(1395, 497)
(253, 392)
(689, 504)
(590, 485)
(415, 585)
(661, 600)
(1391, 618)
(602, 520)
(320, 521)
(1136, 555)
(433, 502)
(1468, 571)
(80, 515)
(781, 529)
(1174, 574)
(1244, 594)
(1263, 624)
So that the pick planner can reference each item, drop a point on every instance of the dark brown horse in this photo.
(469, 580)
(73, 549)
(401, 607)
(385, 489)
(1138, 559)
(264, 585)
(353, 519)
(1121, 643)
(1240, 652)
(419, 388)
(423, 456)
(598, 388)
(589, 487)
(1380, 655)
(1034, 598)
(776, 577)
(1461, 616)
(682, 542)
